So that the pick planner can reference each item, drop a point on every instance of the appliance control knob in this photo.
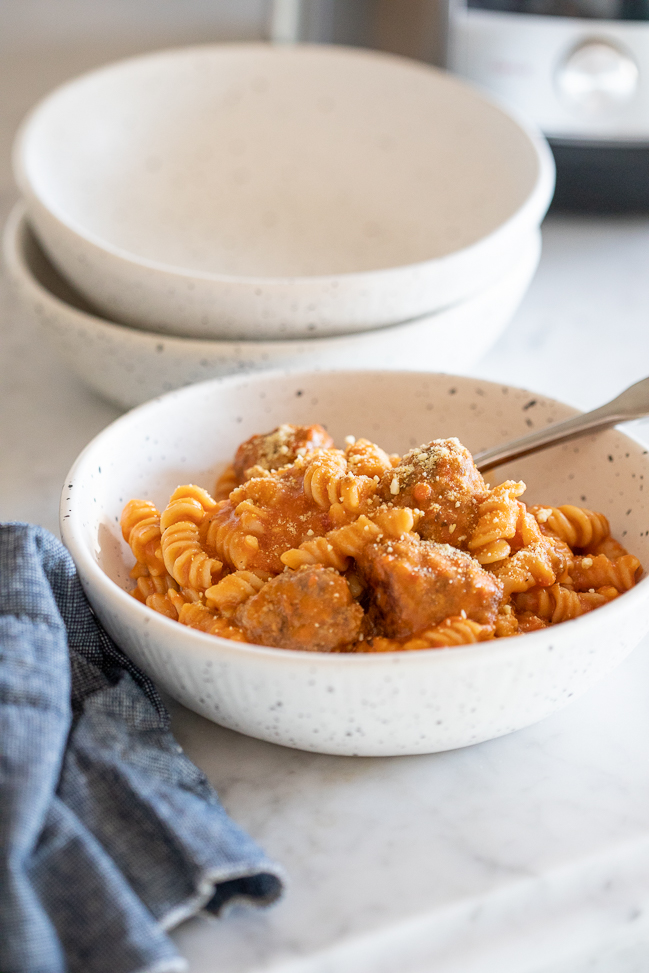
(597, 76)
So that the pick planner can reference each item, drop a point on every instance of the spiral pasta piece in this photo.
(177, 599)
(498, 517)
(454, 630)
(394, 522)
(153, 591)
(199, 617)
(232, 591)
(561, 557)
(319, 550)
(337, 546)
(506, 623)
(529, 622)
(527, 568)
(237, 544)
(184, 558)
(599, 571)
(140, 523)
(576, 526)
(187, 503)
(136, 512)
(327, 480)
(611, 548)
(226, 483)
(367, 459)
(189, 491)
(529, 530)
(162, 604)
(139, 570)
(182, 509)
(559, 603)
(250, 517)
(154, 584)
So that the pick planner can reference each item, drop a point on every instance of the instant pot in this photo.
(580, 69)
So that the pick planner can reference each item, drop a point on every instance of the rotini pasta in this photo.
(600, 571)
(310, 547)
(226, 483)
(328, 480)
(526, 568)
(452, 631)
(576, 526)
(232, 591)
(559, 603)
(365, 458)
(184, 558)
(336, 548)
(140, 524)
(498, 519)
(200, 617)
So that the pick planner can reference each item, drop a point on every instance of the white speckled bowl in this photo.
(128, 366)
(393, 703)
(250, 191)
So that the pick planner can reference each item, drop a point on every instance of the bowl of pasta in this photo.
(313, 558)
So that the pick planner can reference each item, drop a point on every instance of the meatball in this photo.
(310, 609)
(261, 519)
(442, 480)
(278, 448)
(416, 584)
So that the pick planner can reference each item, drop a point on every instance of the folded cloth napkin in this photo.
(108, 834)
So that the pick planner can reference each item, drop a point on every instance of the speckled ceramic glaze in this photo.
(249, 191)
(128, 366)
(393, 703)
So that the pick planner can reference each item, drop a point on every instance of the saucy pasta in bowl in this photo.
(347, 582)
(314, 548)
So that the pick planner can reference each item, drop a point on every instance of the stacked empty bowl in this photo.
(207, 210)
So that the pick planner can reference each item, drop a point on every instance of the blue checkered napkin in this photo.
(108, 834)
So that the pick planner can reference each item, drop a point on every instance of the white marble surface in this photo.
(529, 854)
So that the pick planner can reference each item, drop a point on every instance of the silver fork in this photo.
(633, 403)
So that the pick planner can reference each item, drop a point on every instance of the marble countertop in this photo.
(528, 854)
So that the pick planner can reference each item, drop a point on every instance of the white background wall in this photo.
(44, 42)
(29, 23)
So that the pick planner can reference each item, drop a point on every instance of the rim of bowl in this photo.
(536, 203)
(202, 640)
(15, 234)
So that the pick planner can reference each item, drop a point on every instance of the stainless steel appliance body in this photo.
(580, 69)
